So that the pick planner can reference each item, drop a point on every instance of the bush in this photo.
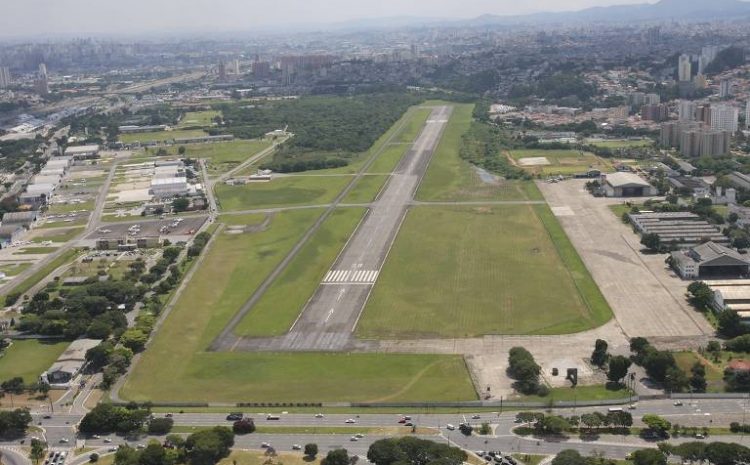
(311, 450)
(94, 457)
(244, 426)
(160, 426)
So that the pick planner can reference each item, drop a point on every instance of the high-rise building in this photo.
(222, 71)
(704, 143)
(41, 83)
(702, 63)
(747, 115)
(685, 68)
(686, 110)
(653, 99)
(4, 77)
(42, 70)
(236, 67)
(709, 52)
(725, 88)
(261, 69)
(671, 132)
(659, 112)
(724, 118)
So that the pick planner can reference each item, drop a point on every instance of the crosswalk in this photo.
(351, 277)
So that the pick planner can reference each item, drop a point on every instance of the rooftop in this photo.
(623, 179)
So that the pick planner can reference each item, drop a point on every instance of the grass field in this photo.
(388, 160)
(450, 178)
(246, 457)
(59, 208)
(366, 189)
(568, 394)
(223, 156)
(463, 272)
(714, 372)
(565, 162)
(177, 368)
(160, 136)
(621, 143)
(275, 313)
(29, 358)
(61, 235)
(36, 250)
(14, 268)
(281, 191)
(198, 118)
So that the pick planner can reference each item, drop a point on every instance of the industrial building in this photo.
(22, 219)
(10, 234)
(82, 152)
(169, 187)
(687, 185)
(678, 229)
(710, 260)
(731, 295)
(200, 140)
(624, 184)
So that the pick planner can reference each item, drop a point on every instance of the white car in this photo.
(318, 415)
(296, 447)
(107, 440)
(359, 435)
(350, 421)
(354, 438)
(64, 440)
(265, 445)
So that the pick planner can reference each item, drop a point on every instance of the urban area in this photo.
(505, 240)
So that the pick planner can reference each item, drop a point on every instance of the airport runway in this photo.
(330, 316)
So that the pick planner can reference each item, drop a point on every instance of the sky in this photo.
(80, 17)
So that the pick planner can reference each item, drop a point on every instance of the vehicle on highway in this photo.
(107, 440)
(678, 403)
(402, 421)
(633, 406)
(450, 427)
(265, 445)
(96, 436)
(318, 415)
(273, 417)
(64, 440)
(234, 416)
(615, 409)
(112, 449)
(296, 447)
(168, 415)
(359, 435)
(354, 438)
(475, 417)
(350, 421)
(408, 423)
(407, 417)
(140, 446)
(47, 417)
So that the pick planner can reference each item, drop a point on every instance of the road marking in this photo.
(350, 277)
(330, 313)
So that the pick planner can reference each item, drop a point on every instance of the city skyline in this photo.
(171, 17)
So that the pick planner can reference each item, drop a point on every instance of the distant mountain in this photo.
(663, 10)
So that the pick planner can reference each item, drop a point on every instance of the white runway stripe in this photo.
(351, 276)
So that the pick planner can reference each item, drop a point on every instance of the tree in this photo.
(649, 457)
(414, 451)
(180, 204)
(620, 419)
(722, 453)
(675, 380)
(134, 339)
(181, 150)
(523, 368)
(209, 446)
(651, 241)
(552, 424)
(14, 423)
(569, 457)
(692, 451)
(599, 356)
(730, 324)
(38, 450)
(656, 424)
(243, 426)
(94, 457)
(311, 450)
(336, 457)
(618, 368)
(698, 377)
(700, 295)
(160, 426)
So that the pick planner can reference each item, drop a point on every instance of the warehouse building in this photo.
(10, 234)
(22, 219)
(623, 184)
(710, 261)
(732, 295)
(678, 229)
(82, 152)
(169, 187)
(69, 365)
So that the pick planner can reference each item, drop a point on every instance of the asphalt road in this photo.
(330, 316)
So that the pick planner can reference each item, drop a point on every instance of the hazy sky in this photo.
(52, 17)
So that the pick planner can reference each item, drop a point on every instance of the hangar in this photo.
(624, 184)
(710, 260)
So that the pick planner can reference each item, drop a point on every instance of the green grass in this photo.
(36, 250)
(59, 208)
(223, 156)
(60, 223)
(366, 189)
(588, 393)
(32, 280)
(450, 178)
(281, 191)
(275, 313)
(14, 268)
(529, 459)
(176, 366)
(160, 136)
(714, 372)
(465, 272)
(57, 236)
(198, 118)
(29, 358)
(619, 144)
(563, 162)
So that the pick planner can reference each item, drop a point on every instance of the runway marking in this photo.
(330, 313)
(351, 277)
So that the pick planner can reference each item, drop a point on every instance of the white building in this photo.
(685, 68)
(747, 114)
(725, 118)
(169, 187)
(4, 77)
(78, 152)
(725, 88)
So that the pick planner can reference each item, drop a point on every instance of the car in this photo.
(633, 406)
(402, 421)
(96, 436)
(480, 453)
(475, 417)
(112, 449)
(350, 421)
(47, 417)
(408, 423)
(318, 415)
(359, 435)
(518, 420)
(140, 446)
(678, 403)
(407, 417)
(168, 415)
(699, 436)
(273, 417)
(64, 440)
(265, 445)
(499, 459)
(235, 416)
(107, 440)
(296, 447)
(450, 427)
(354, 438)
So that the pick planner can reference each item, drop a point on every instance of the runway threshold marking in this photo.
(356, 276)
